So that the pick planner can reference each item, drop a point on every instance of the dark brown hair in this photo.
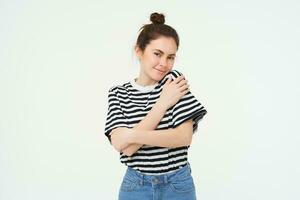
(155, 30)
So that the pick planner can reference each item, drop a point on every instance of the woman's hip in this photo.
(178, 185)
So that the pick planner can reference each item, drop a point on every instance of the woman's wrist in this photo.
(132, 137)
(159, 107)
(158, 110)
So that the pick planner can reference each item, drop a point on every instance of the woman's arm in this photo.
(172, 137)
(150, 122)
(172, 91)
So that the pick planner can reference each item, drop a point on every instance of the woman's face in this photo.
(157, 59)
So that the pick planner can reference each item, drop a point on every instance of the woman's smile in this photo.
(159, 71)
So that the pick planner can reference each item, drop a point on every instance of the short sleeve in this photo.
(188, 107)
(115, 116)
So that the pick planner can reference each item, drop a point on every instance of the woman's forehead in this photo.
(165, 45)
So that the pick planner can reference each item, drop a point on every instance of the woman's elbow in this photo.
(128, 153)
(184, 140)
(186, 132)
(188, 139)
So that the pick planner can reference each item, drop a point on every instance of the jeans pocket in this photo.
(183, 185)
(128, 185)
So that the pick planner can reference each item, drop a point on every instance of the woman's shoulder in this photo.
(176, 73)
(119, 87)
(173, 74)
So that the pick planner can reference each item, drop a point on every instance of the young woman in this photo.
(151, 120)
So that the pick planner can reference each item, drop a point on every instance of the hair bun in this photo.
(157, 18)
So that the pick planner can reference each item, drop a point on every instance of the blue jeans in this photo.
(177, 185)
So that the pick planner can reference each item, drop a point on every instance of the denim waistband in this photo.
(141, 178)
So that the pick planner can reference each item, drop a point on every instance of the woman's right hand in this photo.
(172, 91)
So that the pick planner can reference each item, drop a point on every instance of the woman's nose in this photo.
(163, 62)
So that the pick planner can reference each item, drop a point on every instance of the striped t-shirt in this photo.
(129, 103)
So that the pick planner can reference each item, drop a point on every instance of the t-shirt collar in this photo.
(141, 88)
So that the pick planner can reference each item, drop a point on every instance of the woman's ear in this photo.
(138, 52)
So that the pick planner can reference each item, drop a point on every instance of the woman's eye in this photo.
(172, 58)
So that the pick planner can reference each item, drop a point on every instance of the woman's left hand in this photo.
(121, 138)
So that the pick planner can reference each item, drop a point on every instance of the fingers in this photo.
(182, 82)
(185, 88)
(178, 79)
(183, 85)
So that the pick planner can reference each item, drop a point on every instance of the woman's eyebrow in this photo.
(173, 54)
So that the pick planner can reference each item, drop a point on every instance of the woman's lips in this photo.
(160, 71)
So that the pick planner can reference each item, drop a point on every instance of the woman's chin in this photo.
(158, 77)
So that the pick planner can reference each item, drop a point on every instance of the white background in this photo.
(59, 58)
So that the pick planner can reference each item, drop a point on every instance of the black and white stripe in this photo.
(128, 105)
